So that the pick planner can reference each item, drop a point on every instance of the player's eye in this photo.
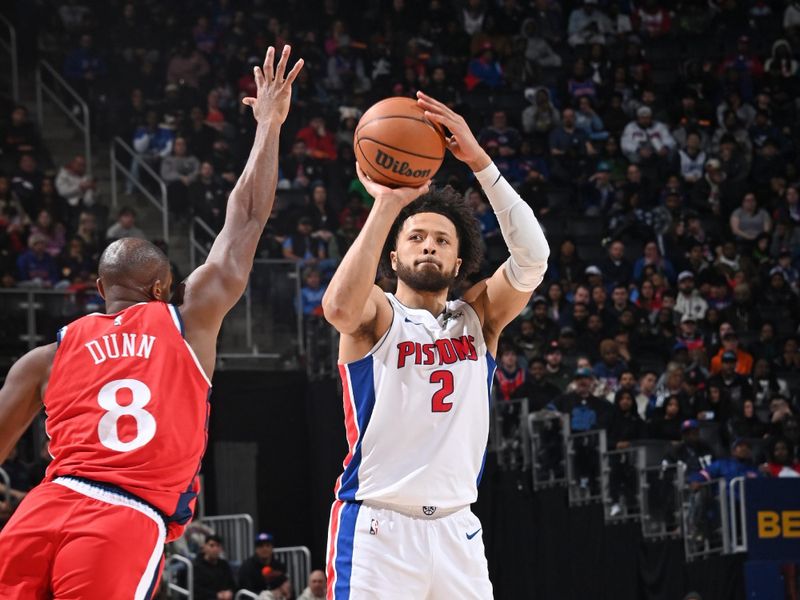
(444, 241)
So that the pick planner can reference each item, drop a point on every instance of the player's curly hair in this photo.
(449, 203)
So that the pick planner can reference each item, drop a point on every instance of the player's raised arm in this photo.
(501, 297)
(213, 288)
(21, 395)
(353, 303)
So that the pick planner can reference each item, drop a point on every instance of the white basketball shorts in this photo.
(381, 553)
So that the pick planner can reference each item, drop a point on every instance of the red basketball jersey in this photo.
(127, 405)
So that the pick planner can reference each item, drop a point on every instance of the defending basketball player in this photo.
(126, 395)
(416, 373)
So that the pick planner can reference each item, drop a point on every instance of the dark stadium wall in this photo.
(537, 547)
(298, 428)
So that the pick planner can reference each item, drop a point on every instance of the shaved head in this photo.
(130, 268)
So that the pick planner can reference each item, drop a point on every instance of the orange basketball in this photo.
(396, 145)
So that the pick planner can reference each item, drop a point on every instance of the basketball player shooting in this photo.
(126, 395)
(417, 372)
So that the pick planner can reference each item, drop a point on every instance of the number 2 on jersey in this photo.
(437, 402)
(107, 428)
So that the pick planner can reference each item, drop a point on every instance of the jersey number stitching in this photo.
(145, 422)
(437, 401)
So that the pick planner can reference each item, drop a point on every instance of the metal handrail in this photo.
(635, 452)
(733, 513)
(32, 337)
(82, 124)
(162, 205)
(298, 562)
(237, 530)
(194, 245)
(188, 591)
(11, 46)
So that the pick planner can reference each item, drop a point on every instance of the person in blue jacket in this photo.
(739, 464)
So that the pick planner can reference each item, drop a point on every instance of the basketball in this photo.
(395, 144)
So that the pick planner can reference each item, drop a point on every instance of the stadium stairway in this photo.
(63, 141)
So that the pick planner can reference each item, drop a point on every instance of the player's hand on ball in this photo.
(273, 87)
(461, 142)
(402, 195)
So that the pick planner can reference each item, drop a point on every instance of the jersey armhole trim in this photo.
(177, 319)
(60, 335)
(380, 342)
(477, 320)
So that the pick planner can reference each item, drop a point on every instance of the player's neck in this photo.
(433, 302)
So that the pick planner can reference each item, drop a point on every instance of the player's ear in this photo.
(100, 288)
(393, 259)
(458, 265)
(157, 292)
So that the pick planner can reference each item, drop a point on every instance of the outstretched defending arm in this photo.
(501, 297)
(213, 288)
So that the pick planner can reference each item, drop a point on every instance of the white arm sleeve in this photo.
(524, 237)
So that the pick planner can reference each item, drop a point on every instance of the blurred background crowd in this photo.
(657, 141)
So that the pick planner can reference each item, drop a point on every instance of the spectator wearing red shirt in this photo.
(320, 142)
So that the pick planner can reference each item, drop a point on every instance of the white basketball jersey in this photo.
(417, 411)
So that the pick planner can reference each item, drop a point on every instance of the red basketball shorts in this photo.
(71, 540)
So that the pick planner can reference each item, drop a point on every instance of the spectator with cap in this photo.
(594, 276)
(543, 327)
(739, 464)
(736, 385)
(213, 576)
(741, 358)
(250, 573)
(316, 587)
(35, 267)
(689, 301)
(710, 192)
(645, 139)
(688, 333)
(692, 451)
(556, 373)
(587, 411)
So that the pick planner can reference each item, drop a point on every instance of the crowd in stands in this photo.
(657, 141)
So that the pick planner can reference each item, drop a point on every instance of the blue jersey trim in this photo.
(491, 366)
(362, 393)
(178, 316)
(344, 550)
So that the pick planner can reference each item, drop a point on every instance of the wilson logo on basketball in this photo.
(387, 161)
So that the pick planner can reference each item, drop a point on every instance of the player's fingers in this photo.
(294, 72)
(441, 119)
(248, 100)
(281, 68)
(259, 75)
(441, 106)
(269, 64)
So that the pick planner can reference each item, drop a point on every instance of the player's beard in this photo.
(427, 279)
